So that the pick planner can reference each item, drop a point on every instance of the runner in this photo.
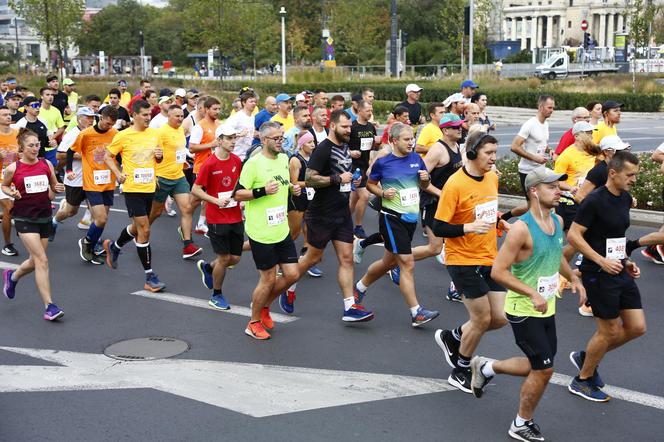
(161, 118)
(528, 264)
(114, 100)
(138, 146)
(611, 113)
(52, 117)
(430, 133)
(243, 123)
(397, 178)
(31, 121)
(8, 155)
(265, 186)
(215, 184)
(283, 114)
(467, 218)
(31, 182)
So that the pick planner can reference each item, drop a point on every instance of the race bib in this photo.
(36, 184)
(344, 187)
(310, 193)
(231, 203)
(102, 177)
(547, 286)
(143, 175)
(276, 216)
(180, 156)
(487, 212)
(615, 248)
(409, 197)
(366, 143)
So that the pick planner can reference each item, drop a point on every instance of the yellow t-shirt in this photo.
(288, 122)
(458, 204)
(138, 162)
(91, 144)
(52, 118)
(429, 135)
(173, 143)
(576, 164)
(602, 130)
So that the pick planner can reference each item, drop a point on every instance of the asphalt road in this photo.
(387, 381)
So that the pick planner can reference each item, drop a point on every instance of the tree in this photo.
(640, 16)
(359, 28)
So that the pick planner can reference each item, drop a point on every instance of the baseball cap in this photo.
(543, 175)
(450, 120)
(469, 83)
(180, 92)
(412, 87)
(283, 97)
(29, 100)
(122, 82)
(166, 92)
(356, 98)
(164, 99)
(191, 94)
(11, 95)
(193, 90)
(300, 97)
(613, 142)
(582, 126)
(610, 104)
(11, 80)
(224, 129)
(85, 111)
(68, 82)
(454, 98)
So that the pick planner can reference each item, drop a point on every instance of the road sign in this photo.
(584, 25)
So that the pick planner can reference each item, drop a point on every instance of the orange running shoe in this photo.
(266, 319)
(256, 331)
(586, 310)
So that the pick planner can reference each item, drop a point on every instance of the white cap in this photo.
(413, 88)
(582, 126)
(180, 92)
(224, 129)
(300, 97)
(85, 111)
(613, 142)
(454, 98)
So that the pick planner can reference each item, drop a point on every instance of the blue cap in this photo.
(283, 97)
(469, 83)
(450, 120)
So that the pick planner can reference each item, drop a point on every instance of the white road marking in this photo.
(84, 206)
(253, 389)
(203, 303)
(8, 265)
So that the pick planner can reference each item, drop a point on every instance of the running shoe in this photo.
(660, 251)
(9, 286)
(478, 381)
(461, 378)
(201, 229)
(358, 295)
(287, 301)
(357, 313)
(206, 276)
(586, 310)
(450, 346)
(452, 293)
(84, 223)
(152, 283)
(528, 432)
(53, 312)
(652, 254)
(266, 319)
(112, 253)
(180, 233)
(423, 316)
(358, 251)
(219, 302)
(395, 275)
(441, 256)
(577, 358)
(99, 249)
(9, 250)
(579, 259)
(191, 250)
(54, 230)
(85, 251)
(587, 390)
(169, 207)
(256, 331)
(359, 232)
(314, 271)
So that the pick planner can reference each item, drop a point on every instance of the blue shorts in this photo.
(100, 198)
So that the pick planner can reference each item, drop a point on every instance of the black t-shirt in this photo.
(17, 116)
(330, 159)
(362, 139)
(124, 115)
(42, 133)
(60, 101)
(414, 111)
(598, 174)
(605, 215)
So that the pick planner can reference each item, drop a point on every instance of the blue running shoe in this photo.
(53, 312)
(315, 271)
(9, 286)
(99, 249)
(359, 232)
(112, 253)
(219, 302)
(395, 275)
(357, 313)
(423, 316)
(206, 276)
(152, 283)
(287, 301)
(358, 295)
(587, 390)
(54, 229)
(577, 358)
(452, 294)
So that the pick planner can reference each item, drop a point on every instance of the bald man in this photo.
(268, 111)
(578, 114)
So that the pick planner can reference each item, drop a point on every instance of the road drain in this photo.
(146, 349)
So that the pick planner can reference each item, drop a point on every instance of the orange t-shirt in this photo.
(462, 199)
(91, 144)
(9, 148)
(209, 130)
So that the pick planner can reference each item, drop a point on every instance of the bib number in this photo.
(102, 177)
(310, 193)
(36, 184)
(615, 248)
(366, 143)
(409, 197)
(547, 286)
(344, 187)
(487, 212)
(180, 156)
(276, 216)
(231, 203)
(144, 175)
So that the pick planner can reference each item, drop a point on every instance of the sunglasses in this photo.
(35, 105)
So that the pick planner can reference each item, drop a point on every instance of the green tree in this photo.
(640, 16)
(359, 29)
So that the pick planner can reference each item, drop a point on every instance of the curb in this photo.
(639, 217)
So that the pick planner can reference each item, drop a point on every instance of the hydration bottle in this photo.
(356, 176)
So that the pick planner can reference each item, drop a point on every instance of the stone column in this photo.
(621, 23)
(549, 31)
(601, 41)
(610, 29)
(533, 32)
(538, 39)
(523, 33)
(513, 28)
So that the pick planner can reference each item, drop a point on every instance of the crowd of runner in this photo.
(305, 167)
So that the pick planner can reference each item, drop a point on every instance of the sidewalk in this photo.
(517, 115)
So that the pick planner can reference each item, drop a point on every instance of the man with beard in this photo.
(302, 118)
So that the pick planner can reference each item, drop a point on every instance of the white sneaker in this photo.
(169, 207)
(358, 251)
(201, 229)
(84, 224)
(441, 256)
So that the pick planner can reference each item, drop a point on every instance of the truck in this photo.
(559, 66)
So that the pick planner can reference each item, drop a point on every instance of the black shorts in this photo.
(138, 203)
(226, 239)
(298, 203)
(473, 281)
(74, 195)
(321, 231)
(397, 234)
(536, 337)
(567, 212)
(522, 179)
(44, 229)
(266, 256)
(428, 213)
(608, 294)
(104, 198)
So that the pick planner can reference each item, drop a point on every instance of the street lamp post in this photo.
(18, 48)
(282, 13)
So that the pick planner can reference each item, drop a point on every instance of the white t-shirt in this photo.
(536, 135)
(244, 125)
(68, 141)
(320, 136)
(158, 121)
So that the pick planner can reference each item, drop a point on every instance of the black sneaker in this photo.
(85, 250)
(449, 345)
(461, 379)
(528, 432)
(9, 250)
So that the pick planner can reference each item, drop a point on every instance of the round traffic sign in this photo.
(584, 25)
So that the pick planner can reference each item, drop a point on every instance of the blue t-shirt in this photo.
(402, 174)
(289, 145)
(352, 114)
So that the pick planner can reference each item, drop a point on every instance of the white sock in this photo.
(413, 310)
(360, 286)
(519, 421)
(292, 287)
(348, 302)
(201, 220)
(487, 369)
(87, 216)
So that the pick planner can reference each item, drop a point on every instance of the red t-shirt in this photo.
(218, 176)
(565, 141)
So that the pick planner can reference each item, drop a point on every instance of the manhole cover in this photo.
(146, 349)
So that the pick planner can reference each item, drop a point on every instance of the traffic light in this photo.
(404, 39)
(586, 40)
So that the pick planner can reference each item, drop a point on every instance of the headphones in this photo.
(471, 153)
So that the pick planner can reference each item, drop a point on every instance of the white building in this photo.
(30, 45)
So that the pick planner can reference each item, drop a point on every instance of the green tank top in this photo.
(539, 271)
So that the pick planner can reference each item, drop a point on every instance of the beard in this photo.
(345, 138)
